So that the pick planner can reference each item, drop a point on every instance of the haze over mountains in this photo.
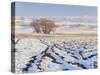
(60, 19)
(65, 24)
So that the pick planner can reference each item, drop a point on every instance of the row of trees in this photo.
(43, 25)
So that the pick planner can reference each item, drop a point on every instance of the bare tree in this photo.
(44, 25)
(47, 25)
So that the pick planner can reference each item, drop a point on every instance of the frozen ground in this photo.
(41, 53)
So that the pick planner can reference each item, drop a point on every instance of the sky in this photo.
(26, 9)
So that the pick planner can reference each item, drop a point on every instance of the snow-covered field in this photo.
(55, 53)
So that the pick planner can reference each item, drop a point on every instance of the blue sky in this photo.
(40, 9)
